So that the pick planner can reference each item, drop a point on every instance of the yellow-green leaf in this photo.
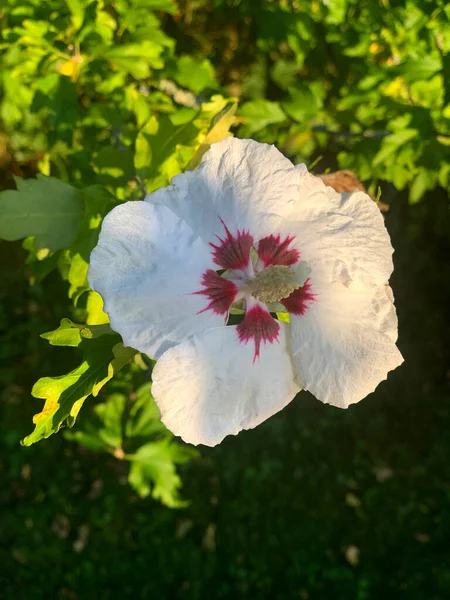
(104, 356)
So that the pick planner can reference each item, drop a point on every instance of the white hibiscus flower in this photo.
(248, 229)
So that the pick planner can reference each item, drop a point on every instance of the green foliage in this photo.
(195, 75)
(102, 102)
(259, 114)
(103, 356)
(346, 76)
(130, 429)
(91, 95)
(154, 464)
(46, 208)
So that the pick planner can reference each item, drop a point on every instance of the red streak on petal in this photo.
(233, 252)
(299, 301)
(259, 326)
(272, 251)
(221, 292)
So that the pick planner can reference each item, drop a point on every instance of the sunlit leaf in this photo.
(218, 130)
(104, 356)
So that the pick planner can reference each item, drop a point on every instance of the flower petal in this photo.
(242, 183)
(208, 387)
(220, 292)
(253, 187)
(258, 326)
(300, 299)
(273, 251)
(147, 266)
(344, 343)
(232, 252)
(343, 237)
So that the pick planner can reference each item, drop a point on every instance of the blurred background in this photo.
(317, 502)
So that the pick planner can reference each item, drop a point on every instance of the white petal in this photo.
(247, 184)
(344, 344)
(253, 186)
(343, 237)
(146, 266)
(209, 387)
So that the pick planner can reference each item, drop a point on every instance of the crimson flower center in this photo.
(263, 278)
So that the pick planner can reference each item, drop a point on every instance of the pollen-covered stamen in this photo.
(259, 326)
(220, 291)
(273, 251)
(233, 252)
(273, 284)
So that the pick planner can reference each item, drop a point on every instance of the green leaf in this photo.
(95, 314)
(167, 6)
(417, 70)
(111, 427)
(46, 208)
(72, 334)
(110, 414)
(284, 73)
(104, 356)
(103, 431)
(425, 180)
(258, 114)
(336, 11)
(195, 75)
(218, 130)
(144, 417)
(77, 8)
(135, 59)
(159, 149)
(303, 103)
(392, 143)
(153, 471)
(114, 165)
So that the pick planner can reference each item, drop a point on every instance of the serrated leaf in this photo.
(72, 334)
(46, 208)
(104, 356)
(103, 430)
(110, 415)
(153, 471)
